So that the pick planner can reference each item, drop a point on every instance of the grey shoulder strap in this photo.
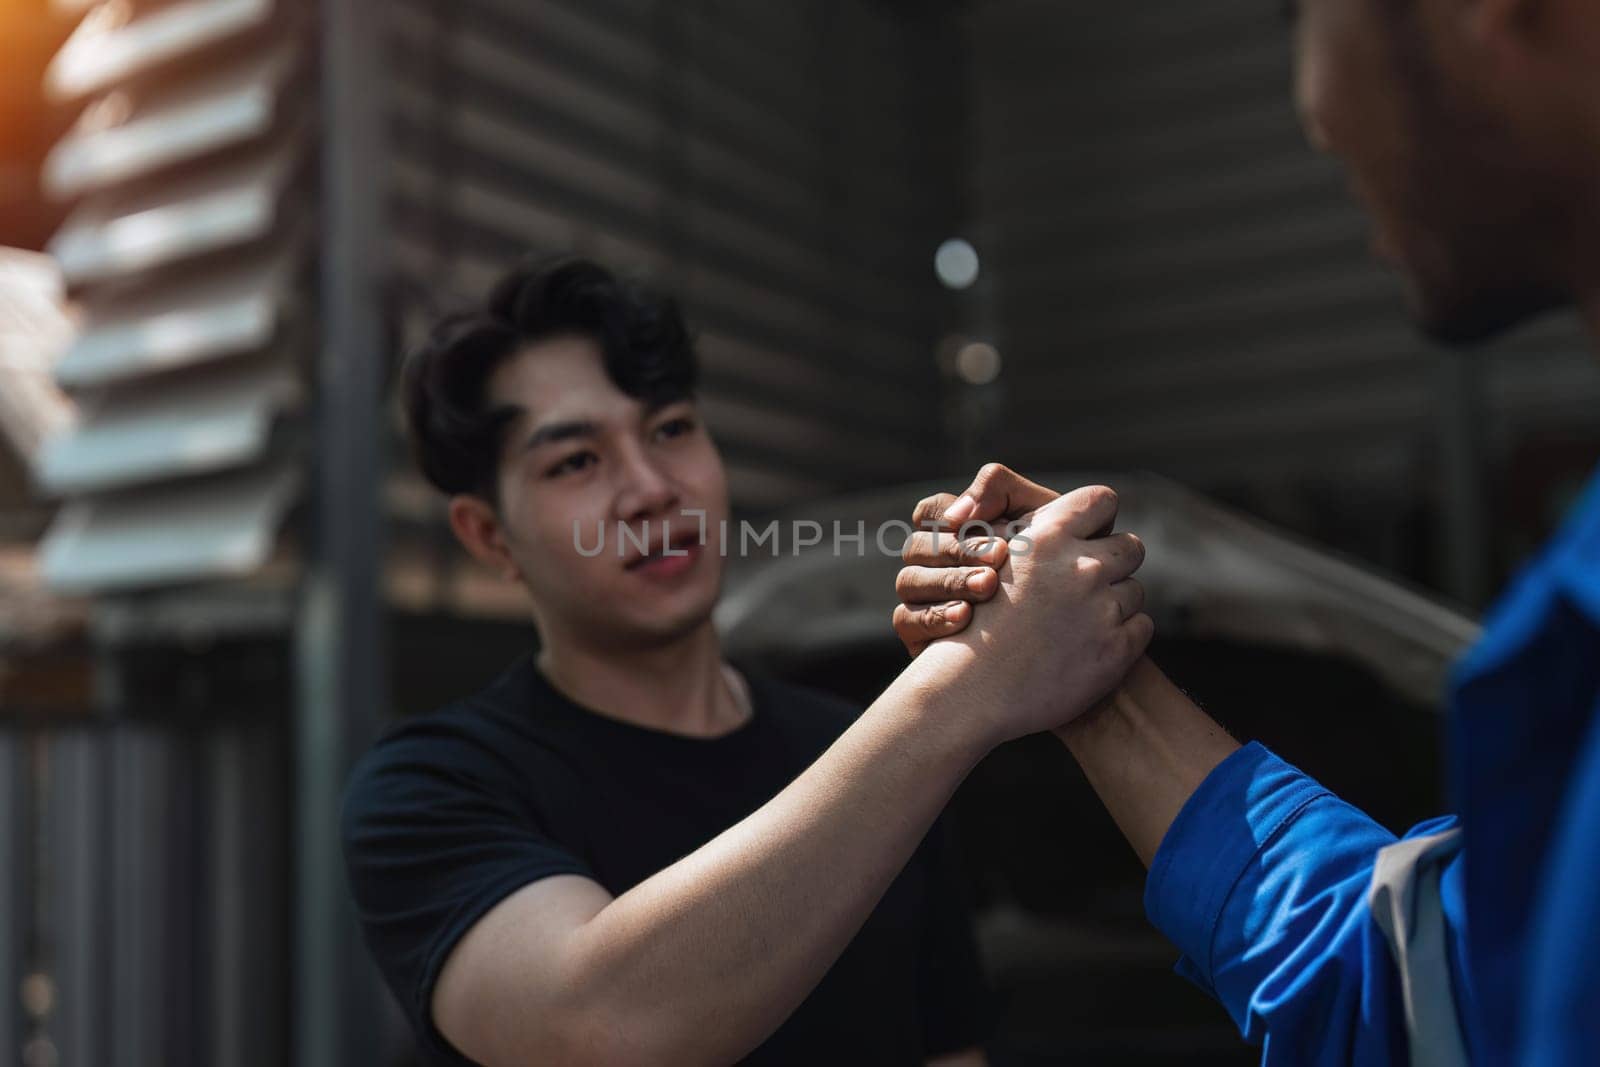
(1404, 899)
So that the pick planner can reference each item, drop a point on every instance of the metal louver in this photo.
(183, 250)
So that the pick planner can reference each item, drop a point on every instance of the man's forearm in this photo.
(1145, 750)
(703, 960)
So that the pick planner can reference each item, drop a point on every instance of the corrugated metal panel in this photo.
(164, 923)
(1182, 283)
(246, 999)
(77, 842)
(785, 174)
(188, 168)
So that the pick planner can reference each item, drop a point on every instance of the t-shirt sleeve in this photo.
(430, 846)
(957, 1004)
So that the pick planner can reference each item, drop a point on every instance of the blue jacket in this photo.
(1262, 880)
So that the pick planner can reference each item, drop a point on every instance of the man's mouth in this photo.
(685, 549)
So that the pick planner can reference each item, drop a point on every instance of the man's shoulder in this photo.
(473, 739)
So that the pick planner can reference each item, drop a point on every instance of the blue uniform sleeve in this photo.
(1563, 1025)
(1262, 883)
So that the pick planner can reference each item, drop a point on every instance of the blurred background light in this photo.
(978, 363)
(956, 263)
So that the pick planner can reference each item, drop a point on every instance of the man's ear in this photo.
(1504, 20)
(477, 526)
(1524, 43)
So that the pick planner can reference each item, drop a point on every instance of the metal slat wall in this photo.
(187, 173)
(784, 170)
(1184, 285)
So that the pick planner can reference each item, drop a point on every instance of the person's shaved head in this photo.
(1471, 131)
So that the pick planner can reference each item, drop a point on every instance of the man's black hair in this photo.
(456, 438)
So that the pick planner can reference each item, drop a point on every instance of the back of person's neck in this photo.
(678, 687)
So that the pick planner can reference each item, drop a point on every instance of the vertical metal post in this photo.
(16, 911)
(1464, 539)
(339, 657)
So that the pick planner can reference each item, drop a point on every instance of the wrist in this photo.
(1148, 712)
(942, 690)
(1109, 724)
(1145, 750)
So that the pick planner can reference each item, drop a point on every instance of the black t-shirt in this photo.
(453, 811)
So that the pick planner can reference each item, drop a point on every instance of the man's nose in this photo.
(644, 490)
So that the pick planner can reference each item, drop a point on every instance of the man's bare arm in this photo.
(702, 961)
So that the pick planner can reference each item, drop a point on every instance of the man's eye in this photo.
(676, 427)
(575, 462)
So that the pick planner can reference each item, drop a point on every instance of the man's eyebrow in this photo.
(551, 432)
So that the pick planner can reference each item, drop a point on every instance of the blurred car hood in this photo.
(1210, 573)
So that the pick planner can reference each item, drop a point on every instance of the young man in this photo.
(1471, 129)
(623, 851)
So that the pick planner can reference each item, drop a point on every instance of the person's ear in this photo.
(1522, 44)
(1492, 22)
(478, 528)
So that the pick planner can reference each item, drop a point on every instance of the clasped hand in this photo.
(1062, 618)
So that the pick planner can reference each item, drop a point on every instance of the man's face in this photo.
(583, 452)
(1448, 146)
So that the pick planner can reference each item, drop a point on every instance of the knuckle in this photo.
(904, 582)
(928, 508)
(991, 471)
(897, 619)
(1101, 496)
(1047, 526)
(956, 582)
